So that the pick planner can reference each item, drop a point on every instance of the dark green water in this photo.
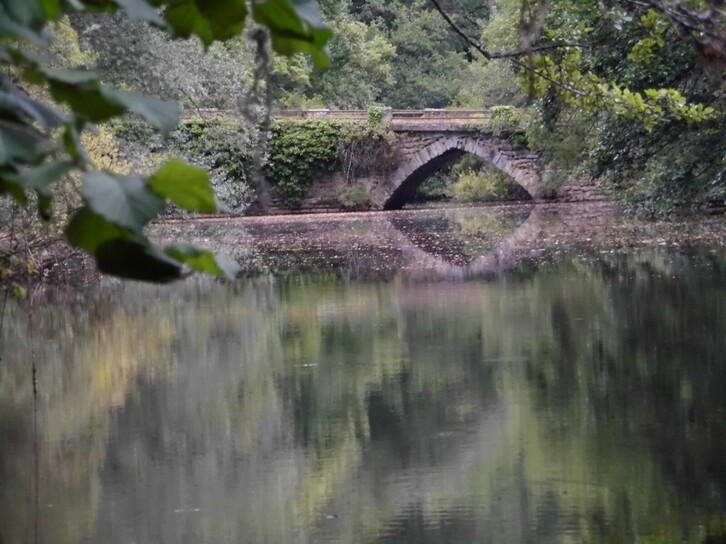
(446, 377)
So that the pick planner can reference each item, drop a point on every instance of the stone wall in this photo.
(421, 153)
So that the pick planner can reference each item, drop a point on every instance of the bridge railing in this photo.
(356, 115)
(395, 114)
(313, 114)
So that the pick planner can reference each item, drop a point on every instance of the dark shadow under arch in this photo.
(404, 192)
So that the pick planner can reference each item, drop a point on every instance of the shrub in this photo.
(481, 186)
(354, 197)
(377, 114)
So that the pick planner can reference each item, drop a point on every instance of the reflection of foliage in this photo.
(549, 399)
(109, 349)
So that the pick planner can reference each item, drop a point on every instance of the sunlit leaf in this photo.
(204, 261)
(19, 291)
(186, 186)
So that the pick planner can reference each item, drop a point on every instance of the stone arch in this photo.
(419, 162)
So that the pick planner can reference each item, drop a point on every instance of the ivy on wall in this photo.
(300, 151)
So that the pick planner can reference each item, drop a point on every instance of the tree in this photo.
(41, 140)
(634, 88)
(360, 65)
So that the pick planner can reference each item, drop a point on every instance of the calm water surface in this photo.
(509, 375)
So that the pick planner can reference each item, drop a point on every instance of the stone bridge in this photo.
(423, 152)
(428, 140)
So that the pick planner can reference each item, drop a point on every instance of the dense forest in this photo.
(405, 55)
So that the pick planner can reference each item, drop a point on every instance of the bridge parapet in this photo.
(427, 120)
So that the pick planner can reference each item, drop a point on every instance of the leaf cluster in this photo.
(41, 143)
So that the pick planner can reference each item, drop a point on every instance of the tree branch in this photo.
(513, 57)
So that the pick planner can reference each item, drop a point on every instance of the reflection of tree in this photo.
(537, 408)
(80, 385)
(626, 376)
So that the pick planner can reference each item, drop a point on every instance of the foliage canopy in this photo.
(41, 140)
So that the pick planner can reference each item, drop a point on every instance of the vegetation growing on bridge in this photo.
(506, 123)
(300, 151)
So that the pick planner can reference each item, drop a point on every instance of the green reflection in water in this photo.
(579, 402)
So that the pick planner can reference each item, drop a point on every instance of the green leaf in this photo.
(140, 10)
(186, 21)
(14, 190)
(81, 90)
(204, 261)
(209, 19)
(186, 186)
(226, 17)
(23, 108)
(19, 291)
(86, 100)
(25, 12)
(160, 114)
(14, 30)
(135, 260)
(20, 143)
(73, 145)
(40, 177)
(125, 201)
(45, 205)
(296, 27)
(88, 230)
(51, 8)
(72, 77)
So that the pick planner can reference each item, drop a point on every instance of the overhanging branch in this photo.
(513, 56)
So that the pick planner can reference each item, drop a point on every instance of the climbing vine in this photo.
(298, 152)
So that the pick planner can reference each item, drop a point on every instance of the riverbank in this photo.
(384, 243)
(42, 260)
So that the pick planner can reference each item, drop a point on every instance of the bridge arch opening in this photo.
(433, 159)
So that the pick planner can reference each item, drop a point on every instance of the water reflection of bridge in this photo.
(442, 244)
(379, 245)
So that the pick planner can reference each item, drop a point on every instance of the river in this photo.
(512, 374)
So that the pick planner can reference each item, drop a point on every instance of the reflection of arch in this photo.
(419, 162)
(542, 222)
(503, 256)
